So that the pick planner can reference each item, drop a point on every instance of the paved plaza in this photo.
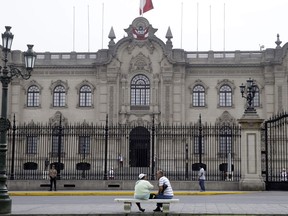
(191, 203)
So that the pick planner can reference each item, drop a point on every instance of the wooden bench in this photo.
(128, 202)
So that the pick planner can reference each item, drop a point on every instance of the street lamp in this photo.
(6, 75)
(248, 91)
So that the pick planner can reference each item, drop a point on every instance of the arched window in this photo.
(85, 96)
(59, 96)
(198, 96)
(225, 96)
(140, 91)
(256, 99)
(33, 96)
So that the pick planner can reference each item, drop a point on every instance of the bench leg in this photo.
(127, 207)
(166, 207)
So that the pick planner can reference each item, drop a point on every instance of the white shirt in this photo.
(283, 175)
(202, 174)
(168, 191)
(142, 189)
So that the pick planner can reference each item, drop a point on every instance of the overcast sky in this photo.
(48, 25)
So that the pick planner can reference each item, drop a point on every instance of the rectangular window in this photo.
(225, 144)
(59, 100)
(31, 145)
(198, 99)
(33, 99)
(226, 99)
(256, 100)
(55, 145)
(85, 99)
(196, 145)
(84, 145)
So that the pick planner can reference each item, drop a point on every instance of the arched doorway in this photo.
(139, 146)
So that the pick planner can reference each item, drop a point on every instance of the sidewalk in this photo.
(112, 193)
(94, 203)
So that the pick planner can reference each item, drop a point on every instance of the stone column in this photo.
(251, 179)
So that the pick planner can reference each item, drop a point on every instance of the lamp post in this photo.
(248, 91)
(7, 72)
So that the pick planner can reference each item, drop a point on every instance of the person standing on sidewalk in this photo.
(111, 173)
(53, 176)
(120, 158)
(201, 176)
(283, 175)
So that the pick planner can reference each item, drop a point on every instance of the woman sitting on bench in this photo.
(142, 189)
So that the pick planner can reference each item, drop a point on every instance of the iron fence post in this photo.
(186, 161)
(83, 160)
(200, 140)
(59, 148)
(153, 143)
(13, 149)
(266, 150)
(106, 148)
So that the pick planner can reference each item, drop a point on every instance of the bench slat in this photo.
(147, 201)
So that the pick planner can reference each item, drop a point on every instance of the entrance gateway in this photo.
(139, 144)
(275, 152)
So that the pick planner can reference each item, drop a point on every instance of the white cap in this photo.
(141, 175)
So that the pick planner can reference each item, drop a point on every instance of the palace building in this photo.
(140, 75)
(142, 80)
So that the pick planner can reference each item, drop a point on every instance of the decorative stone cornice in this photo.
(250, 121)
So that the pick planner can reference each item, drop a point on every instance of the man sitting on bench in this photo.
(142, 189)
(165, 190)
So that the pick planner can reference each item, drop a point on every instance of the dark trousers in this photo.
(52, 182)
(202, 184)
(162, 196)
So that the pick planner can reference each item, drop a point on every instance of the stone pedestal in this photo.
(251, 179)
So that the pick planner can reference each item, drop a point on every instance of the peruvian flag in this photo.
(145, 5)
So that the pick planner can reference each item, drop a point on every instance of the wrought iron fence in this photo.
(87, 151)
(275, 152)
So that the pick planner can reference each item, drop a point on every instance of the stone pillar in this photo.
(251, 179)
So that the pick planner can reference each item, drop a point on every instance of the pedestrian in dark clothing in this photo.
(53, 176)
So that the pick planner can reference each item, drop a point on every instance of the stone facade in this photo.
(172, 75)
(141, 77)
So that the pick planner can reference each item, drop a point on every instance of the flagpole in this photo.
(224, 29)
(88, 31)
(181, 23)
(73, 28)
(210, 30)
(141, 7)
(197, 23)
(102, 22)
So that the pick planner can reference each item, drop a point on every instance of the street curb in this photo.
(113, 193)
